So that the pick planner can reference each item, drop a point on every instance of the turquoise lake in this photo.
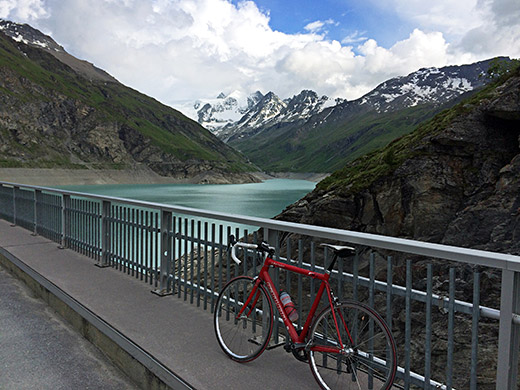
(265, 199)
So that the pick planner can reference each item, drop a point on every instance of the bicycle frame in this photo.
(297, 339)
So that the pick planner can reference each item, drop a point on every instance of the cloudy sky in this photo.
(182, 50)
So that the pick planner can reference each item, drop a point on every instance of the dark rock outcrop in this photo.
(460, 185)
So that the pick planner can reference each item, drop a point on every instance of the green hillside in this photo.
(51, 116)
(365, 170)
(329, 147)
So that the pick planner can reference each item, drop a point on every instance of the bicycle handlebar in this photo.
(243, 245)
(263, 247)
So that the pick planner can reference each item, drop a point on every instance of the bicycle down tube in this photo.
(266, 278)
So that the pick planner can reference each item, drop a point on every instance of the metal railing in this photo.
(453, 311)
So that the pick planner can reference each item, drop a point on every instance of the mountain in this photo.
(58, 111)
(214, 114)
(455, 179)
(272, 111)
(35, 38)
(329, 136)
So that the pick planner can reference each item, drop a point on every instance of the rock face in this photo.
(460, 185)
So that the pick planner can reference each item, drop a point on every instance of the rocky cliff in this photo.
(455, 180)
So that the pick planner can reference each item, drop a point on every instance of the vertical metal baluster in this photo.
(474, 331)
(313, 269)
(246, 254)
(206, 246)
(236, 266)
(171, 260)
(451, 323)
(212, 267)
(428, 330)
(157, 250)
(300, 282)
(371, 299)
(276, 280)
(389, 283)
(192, 257)
(228, 261)
(140, 240)
(146, 245)
(355, 275)
(199, 231)
(289, 260)
(408, 323)
(185, 284)
(151, 254)
(340, 279)
(129, 244)
(125, 239)
(288, 283)
(220, 257)
(255, 257)
(120, 234)
(133, 242)
(179, 257)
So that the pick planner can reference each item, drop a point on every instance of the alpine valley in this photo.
(312, 133)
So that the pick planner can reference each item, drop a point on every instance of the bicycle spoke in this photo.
(243, 331)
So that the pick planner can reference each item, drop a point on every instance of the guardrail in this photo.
(451, 335)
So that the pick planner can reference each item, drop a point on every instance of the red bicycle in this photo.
(348, 345)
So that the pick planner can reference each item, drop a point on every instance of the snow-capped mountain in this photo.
(231, 118)
(216, 113)
(271, 111)
(427, 85)
(35, 38)
(28, 35)
(227, 114)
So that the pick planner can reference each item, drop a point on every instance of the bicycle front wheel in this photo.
(243, 319)
(368, 359)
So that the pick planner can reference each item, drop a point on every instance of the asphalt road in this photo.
(40, 350)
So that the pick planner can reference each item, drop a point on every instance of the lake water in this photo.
(264, 200)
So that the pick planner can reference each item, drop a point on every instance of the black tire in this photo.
(369, 362)
(243, 339)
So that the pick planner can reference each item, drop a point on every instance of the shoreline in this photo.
(62, 176)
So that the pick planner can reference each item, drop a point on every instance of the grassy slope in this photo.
(367, 169)
(329, 147)
(167, 128)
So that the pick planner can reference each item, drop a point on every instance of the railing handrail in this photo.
(441, 251)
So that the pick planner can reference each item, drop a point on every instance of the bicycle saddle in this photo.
(341, 251)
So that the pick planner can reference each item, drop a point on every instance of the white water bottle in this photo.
(289, 307)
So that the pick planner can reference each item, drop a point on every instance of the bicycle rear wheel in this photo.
(243, 319)
(368, 360)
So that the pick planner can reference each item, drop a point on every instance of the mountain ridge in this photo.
(358, 126)
(53, 115)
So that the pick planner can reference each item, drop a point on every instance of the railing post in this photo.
(37, 197)
(508, 336)
(14, 205)
(105, 235)
(164, 268)
(65, 222)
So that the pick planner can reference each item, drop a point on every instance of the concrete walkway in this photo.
(39, 350)
(177, 336)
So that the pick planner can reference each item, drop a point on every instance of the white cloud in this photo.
(189, 49)
(26, 10)
(318, 25)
